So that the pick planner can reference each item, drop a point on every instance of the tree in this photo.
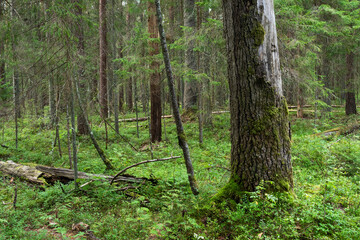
(155, 82)
(79, 33)
(191, 89)
(259, 117)
(175, 107)
(103, 59)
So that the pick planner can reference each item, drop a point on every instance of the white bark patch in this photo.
(268, 50)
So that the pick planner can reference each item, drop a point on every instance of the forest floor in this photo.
(326, 177)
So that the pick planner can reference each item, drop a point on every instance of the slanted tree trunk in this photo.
(155, 82)
(191, 88)
(179, 127)
(260, 131)
(103, 59)
(79, 33)
(350, 105)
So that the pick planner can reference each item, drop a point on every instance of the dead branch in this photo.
(143, 162)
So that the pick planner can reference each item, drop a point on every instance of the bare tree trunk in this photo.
(155, 82)
(103, 59)
(179, 127)
(68, 135)
(79, 33)
(2, 50)
(191, 86)
(260, 134)
(350, 105)
(101, 153)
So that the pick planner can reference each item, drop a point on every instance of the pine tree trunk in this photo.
(350, 105)
(103, 59)
(259, 116)
(155, 82)
(191, 88)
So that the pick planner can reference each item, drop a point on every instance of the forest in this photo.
(179, 119)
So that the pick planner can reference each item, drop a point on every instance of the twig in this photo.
(218, 167)
(126, 188)
(15, 197)
(139, 163)
(4, 146)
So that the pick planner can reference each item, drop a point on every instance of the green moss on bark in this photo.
(258, 34)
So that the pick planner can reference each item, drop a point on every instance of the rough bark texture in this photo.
(155, 82)
(191, 88)
(259, 116)
(103, 59)
(350, 106)
(179, 127)
(79, 32)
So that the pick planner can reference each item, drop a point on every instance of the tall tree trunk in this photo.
(103, 59)
(260, 134)
(155, 81)
(79, 33)
(179, 127)
(191, 88)
(2, 49)
(350, 105)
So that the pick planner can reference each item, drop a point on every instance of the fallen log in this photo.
(48, 175)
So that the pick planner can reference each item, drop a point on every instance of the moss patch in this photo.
(258, 34)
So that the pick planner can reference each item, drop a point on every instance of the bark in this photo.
(191, 88)
(101, 153)
(48, 175)
(300, 102)
(260, 136)
(103, 59)
(179, 127)
(2, 56)
(350, 106)
(79, 33)
(155, 81)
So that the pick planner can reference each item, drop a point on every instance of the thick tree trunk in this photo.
(179, 127)
(259, 116)
(191, 88)
(155, 82)
(350, 106)
(103, 59)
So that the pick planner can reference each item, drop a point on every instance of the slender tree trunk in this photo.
(73, 136)
(350, 105)
(103, 59)
(2, 49)
(79, 33)
(155, 82)
(191, 86)
(101, 153)
(68, 136)
(260, 134)
(179, 127)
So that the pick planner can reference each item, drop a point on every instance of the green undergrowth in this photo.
(326, 178)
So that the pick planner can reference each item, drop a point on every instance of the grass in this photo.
(326, 171)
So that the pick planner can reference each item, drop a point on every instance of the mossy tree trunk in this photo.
(260, 134)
